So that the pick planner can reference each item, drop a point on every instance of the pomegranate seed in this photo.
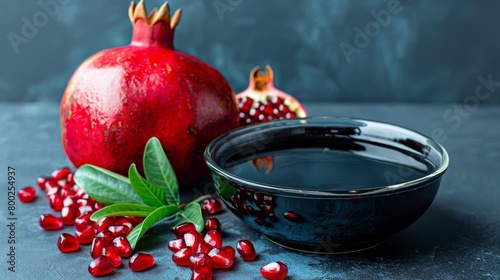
(60, 174)
(50, 222)
(183, 228)
(213, 238)
(246, 250)
(98, 205)
(176, 244)
(79, 194)
(69, 201)
(69, 215)
(229, 251)
(193, 239)
(107, 235)
(211, 206)
(83, 202)
(55, 202)
(220, 259)
(204, 248)
(41, 182)
(97, 246)
(85, 209)
(85, 235)
(49, 184)
(199, 260)
(135, 220)
(266, 209)
(105, 223)
(27, 194)
(213, 224)
(65, 192)
(181, 257)
(122, 246)
(52, 191)
(141, 261)
(67, 243)
(201, 273)
(70, 179)
(274, 271)
(84, 221)
(292, 216)
(120, 230)
(124, 221)
(100, 266)
(110, 251)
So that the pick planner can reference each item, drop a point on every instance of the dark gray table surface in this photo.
(457, 238)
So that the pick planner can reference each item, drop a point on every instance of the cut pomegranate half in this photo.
(262, 102)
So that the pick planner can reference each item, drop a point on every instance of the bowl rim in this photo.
(215, 168)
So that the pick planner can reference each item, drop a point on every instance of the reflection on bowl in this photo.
(326, 184)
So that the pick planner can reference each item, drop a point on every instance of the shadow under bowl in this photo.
(326, 184)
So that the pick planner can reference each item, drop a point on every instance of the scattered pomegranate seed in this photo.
(98, 205)
(69, 201)
(122, 246)
(105, 223)
(70, 179)
(55, 202)
(85, 235)
(274, 271)
(67, 243)
(83, 221)
(230, 251)
(97, 246)
(183, 228)
(41, 182)
(213, 224)
(199, 260)
(213, 238)
(49, 184)
(69, 215)
(100, 266)
(60, 174)
(211, 206)
(181, 257)
(124, 221)
(204, 248)
(107, 235)
(50, 222)
(141, 261)
(246, 250)
(27, 194)
(176, 244)
(119, 230)
(220, 259)
(193, 239)
(110, 251)
(201, 273)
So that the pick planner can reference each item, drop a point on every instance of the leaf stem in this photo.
(198, 200)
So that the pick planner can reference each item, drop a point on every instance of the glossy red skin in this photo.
(119, 98)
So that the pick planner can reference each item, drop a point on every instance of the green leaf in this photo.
(105, 186)
(122, 209)
(149, 192)
(190, 214)
(154, 217)
(159, 171)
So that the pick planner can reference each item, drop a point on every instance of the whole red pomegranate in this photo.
(119, 98)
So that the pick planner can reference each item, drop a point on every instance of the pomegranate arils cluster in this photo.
(107, 237)
(202, 253)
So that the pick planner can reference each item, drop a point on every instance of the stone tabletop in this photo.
(457, 238)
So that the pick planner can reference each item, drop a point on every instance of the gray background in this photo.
(431, 51)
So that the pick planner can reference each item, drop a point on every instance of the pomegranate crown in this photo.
(259, 79)
(139, 11)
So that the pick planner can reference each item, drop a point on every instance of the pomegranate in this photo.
(50, 222)
(262, 102)
(119, 98)
(274, 271)
(246, 250)
(141, 261)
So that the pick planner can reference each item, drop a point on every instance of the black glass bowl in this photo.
(357, 211)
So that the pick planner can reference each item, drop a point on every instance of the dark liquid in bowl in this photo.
(322, 168)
